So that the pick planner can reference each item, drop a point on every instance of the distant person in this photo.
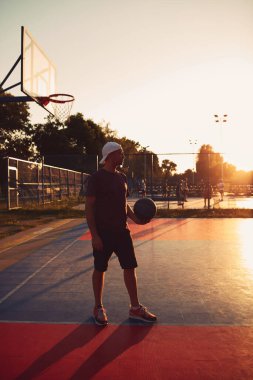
(165, 190)
(185, 189)
(179, 193)
(220, 187)
(107, 211)
(207, 194)
(143, 188)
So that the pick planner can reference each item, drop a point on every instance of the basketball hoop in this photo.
(61, 103)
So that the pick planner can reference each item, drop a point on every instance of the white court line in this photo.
(35, 273)
(44, 230)
(20, 242)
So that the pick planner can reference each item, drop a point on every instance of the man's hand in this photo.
(97, 243)
(134, 218)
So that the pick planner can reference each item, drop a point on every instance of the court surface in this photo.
(198, 203)
(195, 274)
(229, 202)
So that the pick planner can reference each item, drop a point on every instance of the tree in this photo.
(229, 170)
(209, 164)
(168, 167)
(136, 157)
(110, 134)
(189, 174)
(50, 138)
(139, 161)
(74, 145)
(157, 170)
(85, 135)
(15, 129)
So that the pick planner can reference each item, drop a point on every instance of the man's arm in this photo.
(90, 216)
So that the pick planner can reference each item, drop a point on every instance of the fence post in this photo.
(68, 183)
(43, 184)
(208, 191)
(38, 183)
(151, 175)
(50, 180)
(60, 192)
(8, 186)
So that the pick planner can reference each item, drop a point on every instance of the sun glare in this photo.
(178, 105)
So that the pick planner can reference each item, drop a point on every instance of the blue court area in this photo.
(195, 274)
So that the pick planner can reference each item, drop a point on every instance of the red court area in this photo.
(46, 351)
(195, 274)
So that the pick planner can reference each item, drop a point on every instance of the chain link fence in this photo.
(173, 180)
(25, 183)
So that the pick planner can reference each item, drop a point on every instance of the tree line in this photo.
(77, 144)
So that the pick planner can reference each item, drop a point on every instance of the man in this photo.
(207, 194)
(185, 189)
(179, 193)
(106, 212)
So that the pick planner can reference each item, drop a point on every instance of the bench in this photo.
(157, 198)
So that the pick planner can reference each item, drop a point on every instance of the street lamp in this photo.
(221, 120)
(193, 143)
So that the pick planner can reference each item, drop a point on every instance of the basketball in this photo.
(145, 208)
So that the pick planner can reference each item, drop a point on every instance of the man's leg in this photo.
(126, 255)
(98, 279)
(137, 311)
(130, 279)
(99, 312)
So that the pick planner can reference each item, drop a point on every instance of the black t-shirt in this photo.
(110, 190)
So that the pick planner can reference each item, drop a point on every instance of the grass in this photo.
(18, 220)
(14, 221)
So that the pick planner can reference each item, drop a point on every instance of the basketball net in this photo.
(62, 105)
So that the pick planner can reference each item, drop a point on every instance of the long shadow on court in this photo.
(46, 289)
(158, 230)
(80, 337)
(118, 342)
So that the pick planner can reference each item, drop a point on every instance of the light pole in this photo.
(221, 120)
(193, 143)
(145, 161)
(145, 166)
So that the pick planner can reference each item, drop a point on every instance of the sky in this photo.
(156, 71)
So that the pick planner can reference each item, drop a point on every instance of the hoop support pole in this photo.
(15, 99)
(8, 88)
(11, 70)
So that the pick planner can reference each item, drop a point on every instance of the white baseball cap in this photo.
(108, 148)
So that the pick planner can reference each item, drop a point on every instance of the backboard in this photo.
(38, 73)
